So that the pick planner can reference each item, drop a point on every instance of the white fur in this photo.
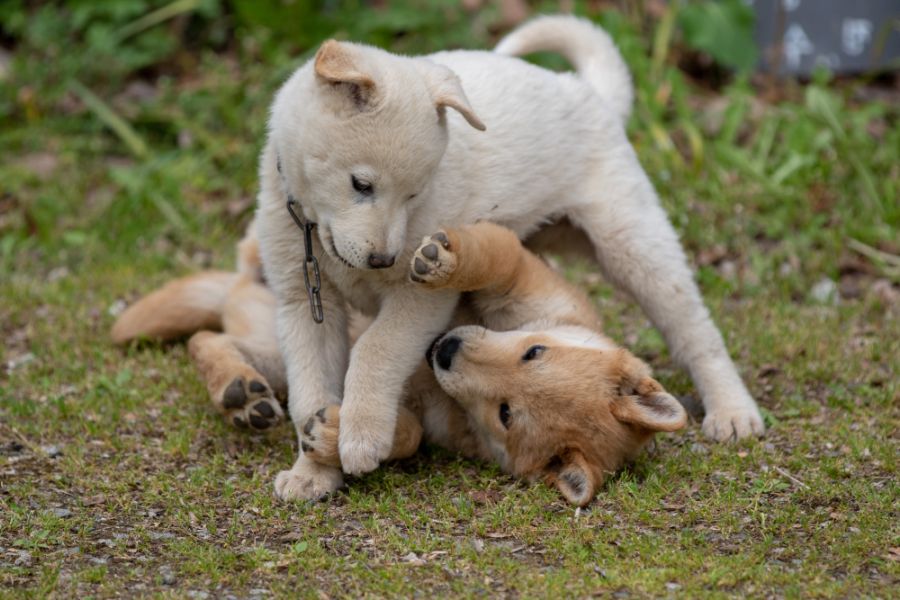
(555, 146)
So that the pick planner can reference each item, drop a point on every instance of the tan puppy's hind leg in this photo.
(236, 389)
(319, 437)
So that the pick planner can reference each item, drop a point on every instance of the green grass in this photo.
(153, 494)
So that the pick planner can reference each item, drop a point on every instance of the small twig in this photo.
(874, 253)
(791, 477)
(25, 441)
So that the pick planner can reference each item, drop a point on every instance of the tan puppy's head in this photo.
(359, 134)
(563, 405)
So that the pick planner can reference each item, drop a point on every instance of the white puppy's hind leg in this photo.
(639, 251)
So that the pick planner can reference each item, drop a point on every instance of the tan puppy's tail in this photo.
(179, 308)
(590, 50)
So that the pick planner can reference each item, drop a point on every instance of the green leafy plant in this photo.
(723, 29)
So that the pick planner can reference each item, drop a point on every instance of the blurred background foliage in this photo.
(134, 123)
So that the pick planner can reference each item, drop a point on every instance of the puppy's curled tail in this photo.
(590, 50)
(179, 308)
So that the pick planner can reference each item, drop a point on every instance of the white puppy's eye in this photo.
(504, 415)
(363, 187)
(533, 352)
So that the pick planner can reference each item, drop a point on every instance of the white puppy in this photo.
(363, 140)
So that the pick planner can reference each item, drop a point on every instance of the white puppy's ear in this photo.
(645, 403)
(446, 91)
(340, 64)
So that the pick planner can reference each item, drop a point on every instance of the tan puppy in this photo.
(534, 386)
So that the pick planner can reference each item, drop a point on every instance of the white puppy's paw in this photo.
(363, 442)
(307, 481)
(733, 423)
(433, 261)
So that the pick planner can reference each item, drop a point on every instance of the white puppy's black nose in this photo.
(381, 261)
(446, 348)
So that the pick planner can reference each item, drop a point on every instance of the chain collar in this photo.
(311, 264)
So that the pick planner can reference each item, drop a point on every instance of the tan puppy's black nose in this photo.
(381, 261)
(446, 348)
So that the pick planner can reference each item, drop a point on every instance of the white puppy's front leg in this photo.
(639, 251)
(384, 357)
(315, 356)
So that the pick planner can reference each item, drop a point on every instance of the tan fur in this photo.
(177, 309)
(234, 346)
(577, 412)
(334, 63)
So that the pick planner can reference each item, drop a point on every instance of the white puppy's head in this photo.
(359, 133)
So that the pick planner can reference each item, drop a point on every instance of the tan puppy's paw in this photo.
(364, 440)
(307, 481)
(319, 436)
(434, 261)
(249, 403)
(733, 423)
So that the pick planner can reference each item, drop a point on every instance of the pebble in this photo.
(62, 513)
(167, 575)
(52, 451)
(19, 361)
(117, 308)
(825, 291)
(413, 559)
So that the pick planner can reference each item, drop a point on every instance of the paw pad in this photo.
(319, 440)
(433, 262)
(251, 404)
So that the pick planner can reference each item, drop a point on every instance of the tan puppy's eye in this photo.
(533, 352)
(504, 415)
(363, 187)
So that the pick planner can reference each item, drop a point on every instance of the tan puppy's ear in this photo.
(338, 63)
(569, 472)
(645, 403)
(447, 91)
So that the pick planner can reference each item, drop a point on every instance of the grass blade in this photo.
(151, 19)
(662, 40)
(109, 118)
